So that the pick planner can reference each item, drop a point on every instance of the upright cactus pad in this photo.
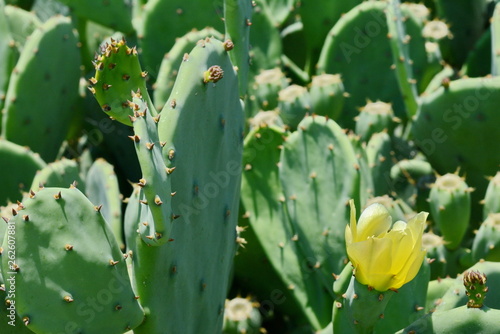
(320, 173)
(200, 133)
(118, 72)
(116, 14)
(61, 173)
(67, 263)
(177, 17)
(450, 206)
(169, 68)
(447, 120)
(267, 213)
(19, 165)
(42, 89)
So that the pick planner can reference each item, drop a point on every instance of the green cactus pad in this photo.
(374, 117)
(237, 21)
(118, 73)
(486, 244)
(116, 14)
(466, 20)
(8, 52)
(450, 206)
(65, 262)
(378, 152)
(21, 23)
(357, 47)
(155, 182)
(491, 201)
(166, 20)
(102, 189)
(169, 68)
(455, 296)
(19, 165)
(61, 173)
(42, 89)
(447, 120)
(320, 173)
(294, 102)
(327, 95)
(200, 130)
(318, 17)
(262, 197)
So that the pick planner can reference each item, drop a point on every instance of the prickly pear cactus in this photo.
(450, 206)
(202, 119)
(21, 165)
(33, 117)
(64, 260)
(448, 118)
(61, 173)
(118, 72)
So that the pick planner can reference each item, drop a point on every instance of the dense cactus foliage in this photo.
(160, 159)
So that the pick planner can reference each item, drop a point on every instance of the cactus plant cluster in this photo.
(159, 159)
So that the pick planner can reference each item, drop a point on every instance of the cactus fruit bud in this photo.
(475, 284)
(214, 74)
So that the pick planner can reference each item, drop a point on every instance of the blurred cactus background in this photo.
(186, 167)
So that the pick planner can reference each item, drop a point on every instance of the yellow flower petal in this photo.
(374, 221)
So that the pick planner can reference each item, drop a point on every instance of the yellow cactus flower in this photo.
(383, 257)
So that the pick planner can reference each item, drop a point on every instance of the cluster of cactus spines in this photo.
(43, 127)
(486, 244)
(168, 70)
(476, 288)
(266, 210)
(327, 95)
(118, 72)
(101, 188)
(242, 316)
(450, 206)
(60, 173)
(89, 286)
(155, 181)
(491, 201)
(21, 165)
